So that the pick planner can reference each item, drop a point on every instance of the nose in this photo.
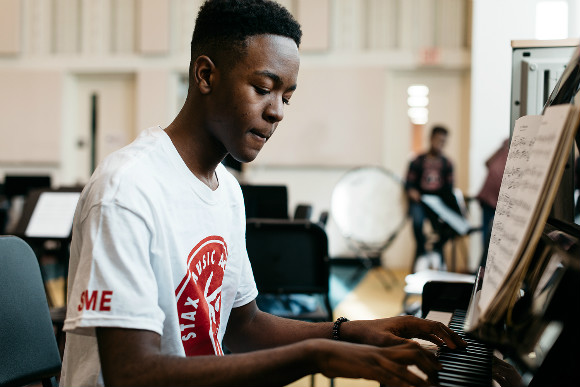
(274, 112)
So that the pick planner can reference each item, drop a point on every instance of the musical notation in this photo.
(536, 158)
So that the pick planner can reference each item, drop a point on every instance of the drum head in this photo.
(369, 206)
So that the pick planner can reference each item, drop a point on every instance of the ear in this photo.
(203, 74)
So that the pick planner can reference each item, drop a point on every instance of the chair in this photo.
(29, 351)
(323, 218)
(53, 239)
(291, 267)
(16, 188)
(303, 212)
(265, 201)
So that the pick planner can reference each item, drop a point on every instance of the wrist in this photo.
(316, 353)
(336, 328)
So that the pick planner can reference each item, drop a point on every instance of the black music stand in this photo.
(46, 222)
(48, 214)
(265, 201)
(21, 185)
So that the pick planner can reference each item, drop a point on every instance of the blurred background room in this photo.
(80, 79)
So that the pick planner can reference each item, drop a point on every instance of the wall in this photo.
(329, 128)
(491, 72)
(493, 32)
(358, 58)
(491, 75)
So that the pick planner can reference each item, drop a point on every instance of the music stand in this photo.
(48, 216)
(21, 185)
(265, 201)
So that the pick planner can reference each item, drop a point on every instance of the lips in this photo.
(260, 134)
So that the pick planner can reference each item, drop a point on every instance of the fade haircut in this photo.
(439, 130)
(223, 27)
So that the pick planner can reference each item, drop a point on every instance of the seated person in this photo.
(159, 277)
(430, 173)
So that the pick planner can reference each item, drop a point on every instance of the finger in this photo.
(412, 345)
(396, 374)
(416, 327)
(442, 334)
(414, 355)
(432, 338)
(428, 363)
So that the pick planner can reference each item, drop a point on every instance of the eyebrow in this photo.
(276, 78)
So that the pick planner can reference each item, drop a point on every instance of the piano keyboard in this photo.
(465, 367)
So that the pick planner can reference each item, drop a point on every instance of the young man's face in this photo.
(438, 143)
(250, 97)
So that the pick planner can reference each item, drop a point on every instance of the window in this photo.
(418, 101)
(552, 20)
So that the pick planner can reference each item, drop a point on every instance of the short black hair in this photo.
(439, 130)
(225, 25)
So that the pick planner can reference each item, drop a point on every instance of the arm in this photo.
(412, 180)
(414, 195)
(449, 176)
(133, 357)
(250, 329)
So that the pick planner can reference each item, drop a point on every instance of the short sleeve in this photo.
(114, 284)
(247, 290)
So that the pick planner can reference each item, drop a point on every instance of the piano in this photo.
(538, 347)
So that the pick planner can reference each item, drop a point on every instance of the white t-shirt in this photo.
(154, 248)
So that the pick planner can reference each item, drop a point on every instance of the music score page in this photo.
(537, 155)
(53, 215)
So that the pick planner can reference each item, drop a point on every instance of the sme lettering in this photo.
(96, 300)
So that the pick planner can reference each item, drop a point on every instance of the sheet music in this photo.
(523, 199)
(457, 222)
(53, 215)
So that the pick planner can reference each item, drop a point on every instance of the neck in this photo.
(194, 146)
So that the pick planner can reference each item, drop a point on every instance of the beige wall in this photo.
(358, 57)
(314, 183)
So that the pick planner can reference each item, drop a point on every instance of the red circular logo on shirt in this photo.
(199, 297)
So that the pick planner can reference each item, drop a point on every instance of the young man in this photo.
(159, 274)
(429, 173)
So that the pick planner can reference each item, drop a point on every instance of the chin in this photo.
(245, 157)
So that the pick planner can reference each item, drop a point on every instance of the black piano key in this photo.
(479, 373)
(476, 350)
(465, 359)
(464, 380)
(470, 366)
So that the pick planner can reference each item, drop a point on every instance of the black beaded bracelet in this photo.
(336, 327)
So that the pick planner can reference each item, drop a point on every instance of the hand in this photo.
(389, 366)
(399, 330)
(414, 195)
(505, 374)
